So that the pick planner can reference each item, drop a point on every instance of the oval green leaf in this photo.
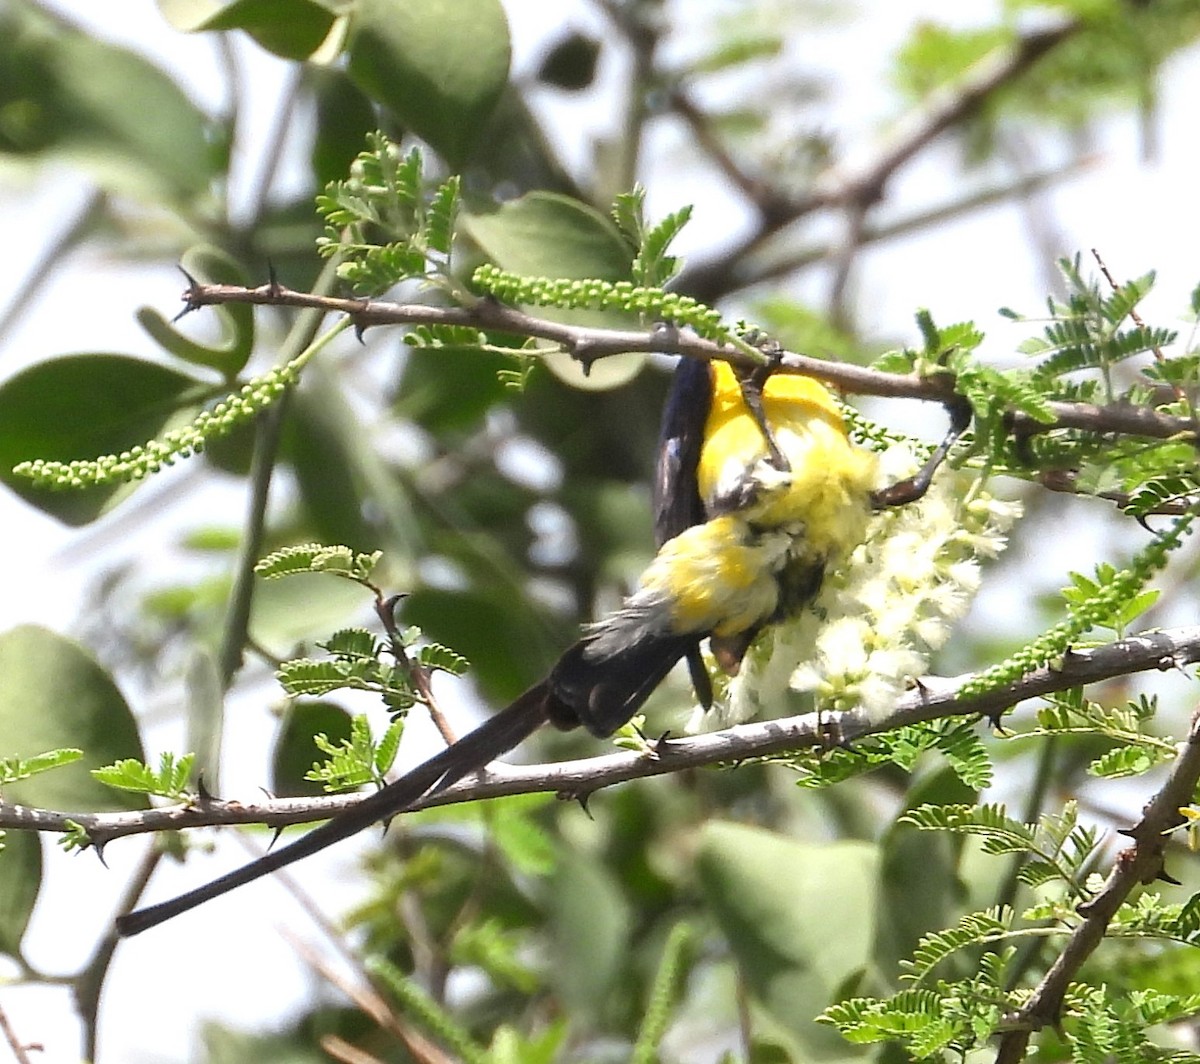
(83, 406)
(229, 355)
(590, 925)
(104, 107)
(291, 29)
(20, 881)
(54, 695)
(295, 752)
(545, 234)
(799, 917)
(439, 65)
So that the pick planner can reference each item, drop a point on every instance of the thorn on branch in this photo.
(666, 333)
(1164, 877)
(587, 353)
(191, 295)
(583, 797)
(361, 326)
(660, 747)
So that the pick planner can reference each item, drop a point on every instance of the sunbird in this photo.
(758, 491)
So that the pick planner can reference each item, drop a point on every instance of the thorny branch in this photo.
(588, 344)
(1140, 863)
(934, 698)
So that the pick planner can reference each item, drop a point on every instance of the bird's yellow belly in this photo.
(826, 490)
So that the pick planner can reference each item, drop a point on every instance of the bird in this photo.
(758, 491)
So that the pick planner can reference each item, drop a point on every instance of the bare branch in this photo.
(589, 344)
(1140, 863)
(20, 1050)
(934, 698)
(864, 186)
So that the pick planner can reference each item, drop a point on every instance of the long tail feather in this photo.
(472, 752)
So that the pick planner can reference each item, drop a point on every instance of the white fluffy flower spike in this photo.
(879, 617)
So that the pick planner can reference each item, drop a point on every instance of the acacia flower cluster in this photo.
(881, 614)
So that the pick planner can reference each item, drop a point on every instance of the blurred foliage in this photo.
(700, 916)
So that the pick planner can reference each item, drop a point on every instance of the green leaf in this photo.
(1126, 761)
(13, 769)
(545, 234)
(55, 695)
(294, 751)
(83, 406)
(352, 643)
(387, 748)
(291, 29)
(169, 780)
(102, 107)
(439, 658)
(20, 881)
(439, 65)
(344, 117)
(764, 890)
(919, 883)
(590, 925)
(351, 762)
(448, 388)
(442, 215)
(347, 488)
(230, 355)
(524, 843)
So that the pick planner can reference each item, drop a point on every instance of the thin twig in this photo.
(1159, 357)
(270, 151)
(20, 1049)
(89, 983)
(373, 1004)
(266, 448)
(53, 257)
(385, 610)
(792, 258)
(343, 1051)
(935, 698)
(1140, 863)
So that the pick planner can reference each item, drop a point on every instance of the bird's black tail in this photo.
(474, 750)
(600, 693)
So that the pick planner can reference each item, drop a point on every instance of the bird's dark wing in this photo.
(677, 502)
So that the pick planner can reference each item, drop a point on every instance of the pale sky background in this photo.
(244, 972)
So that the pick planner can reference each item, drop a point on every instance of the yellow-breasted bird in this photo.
(758, 490)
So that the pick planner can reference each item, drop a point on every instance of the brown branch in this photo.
(587, 344)
(372, 1004)
(20, 1050)
(944, 108)
(421, 677)
(793, 259)
(934, 698)
(774, 206)
(864, 186)
(88, 985)
(1138, 864)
